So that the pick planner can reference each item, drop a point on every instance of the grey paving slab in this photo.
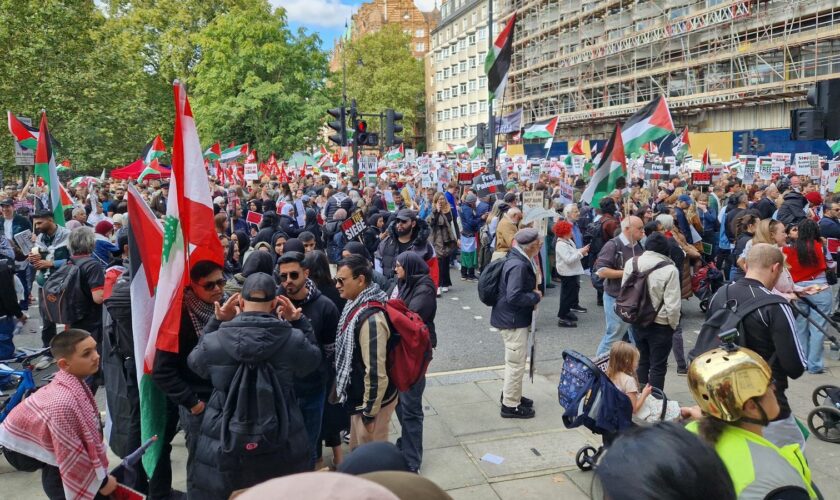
(436, 434)
(460, 378)
(448, 395)
(476, 418)
(581, 479)
(539, 488)
(480, 492)
(528, 453)
(451, 468)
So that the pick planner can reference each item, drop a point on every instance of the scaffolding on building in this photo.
(594, 61)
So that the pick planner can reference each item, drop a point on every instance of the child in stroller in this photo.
(592, 400)
(705, 282)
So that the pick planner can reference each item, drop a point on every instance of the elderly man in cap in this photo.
(512, 314)
(683, 202)
(406, 232)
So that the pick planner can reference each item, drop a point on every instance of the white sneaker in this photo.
(443, 289)
(438, 292)
(44, 362)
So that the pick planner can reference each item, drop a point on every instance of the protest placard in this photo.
(252, 172)
(354, 226)
(486, 184)
(567, 193)
(701, 178)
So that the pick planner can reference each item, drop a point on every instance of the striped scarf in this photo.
(346, 339)
(200, 312)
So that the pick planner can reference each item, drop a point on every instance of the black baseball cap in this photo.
(406, 214)
(259, 287)
(7, 202)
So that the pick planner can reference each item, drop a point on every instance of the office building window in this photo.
(454, 69)
(454, 91)
(446, 72)
(472, 61)
(463, 88)
(440, 116)
(482, 82)
(471, 39)
(462, 66)
(445, 114)
(482, 106)
(446, 94)
(419, 47)
(439, 95)
(420, 33)
(482, 33)
(473, 85)
(455, 112)
(473, 108)
(482, 56)
(440, 135)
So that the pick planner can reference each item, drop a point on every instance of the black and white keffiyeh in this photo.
(345, 339)
(200, 312)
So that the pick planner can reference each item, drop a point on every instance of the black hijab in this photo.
(258, 262)
(415, 269)
(356, 248)
(243, 241)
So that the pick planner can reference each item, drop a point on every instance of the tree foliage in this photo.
(258, 82)
(104, 72)
(382, 73)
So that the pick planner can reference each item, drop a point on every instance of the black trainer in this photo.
(578, 309)
(565, 323)
(523, 401)
(518, 412)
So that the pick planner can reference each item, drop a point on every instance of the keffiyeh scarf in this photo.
(200, 312)
(59, 425)
(345, 339)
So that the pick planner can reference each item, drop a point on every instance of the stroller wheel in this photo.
(820, 394)
(824, 422)
(586, 458)
(704, 305)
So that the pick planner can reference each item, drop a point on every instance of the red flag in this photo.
(577, 149)
(283, 176)
(252, 157)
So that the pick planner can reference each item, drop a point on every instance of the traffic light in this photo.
(392, 127)
(480, 135)
(360, 135)
(753, 144)
(745, 142)
(819, 122)
(339, 125)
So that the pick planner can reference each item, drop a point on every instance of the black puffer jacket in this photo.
(389, 248)
(251, 337)
(517, 297)
(323, 315)
(792, 210)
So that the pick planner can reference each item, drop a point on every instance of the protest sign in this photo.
(465, 178)
(532, 199)
(701, 178)
(253, 218)
(367, 168)
(300, 213)
(486, 184)
(749, 173)
(354, 226)
(389, 200)
(802, 162)
(567, 193)
(252, 172)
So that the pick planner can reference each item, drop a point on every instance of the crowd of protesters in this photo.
(295, 293)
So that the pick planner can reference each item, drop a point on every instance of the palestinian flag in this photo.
(25, 135)
(145, 242)
(498, 60)
(396, 153)
(233, 153)
(457, 148)
(214, 152)
(273, 168)
(153, 150)
(707, 160)
(152, 168)
(321, 152)
(252, 156)
(45, 168)
(475, 151)
(835, 147)
(542, 129)
(611, 167)
(577, 148)
(650, 123)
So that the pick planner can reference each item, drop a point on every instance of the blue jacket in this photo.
(709, 219)
(682, 223)
(518, 298)
(470, 221)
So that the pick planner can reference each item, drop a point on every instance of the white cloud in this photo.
(425, 5)
(317, 13)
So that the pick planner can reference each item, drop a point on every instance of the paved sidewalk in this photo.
(462, 425)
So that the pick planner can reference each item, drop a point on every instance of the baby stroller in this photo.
(824, 420)
(705, 283)
(593, 401)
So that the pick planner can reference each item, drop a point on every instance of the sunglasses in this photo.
(294, 275)
(340, 281)
(211, 285)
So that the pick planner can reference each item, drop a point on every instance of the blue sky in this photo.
(327, 17)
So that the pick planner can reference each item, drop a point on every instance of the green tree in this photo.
(258, 82)
(382, 73)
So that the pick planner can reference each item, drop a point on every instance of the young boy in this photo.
(57, 429)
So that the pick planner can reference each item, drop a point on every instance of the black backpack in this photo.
(255, 415)
(62, 299)
(633, 304)
(724, 320)
(488, 282)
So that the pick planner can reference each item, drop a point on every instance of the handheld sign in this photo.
(486, 184)
(354, 226)
(701, 178)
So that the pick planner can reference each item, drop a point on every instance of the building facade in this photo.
(456, 86)
(723, 64)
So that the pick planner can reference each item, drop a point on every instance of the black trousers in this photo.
(569, 293)
(443, 271)
(654, 343)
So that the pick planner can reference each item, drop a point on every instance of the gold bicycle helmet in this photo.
(722, 381)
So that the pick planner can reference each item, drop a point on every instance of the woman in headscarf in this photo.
(243, 242)
(257, 262)
(311, 225)
(372, 234)
(233, 260)
(416, 288)
(267, 228)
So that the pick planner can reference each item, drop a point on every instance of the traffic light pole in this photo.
(355, 144)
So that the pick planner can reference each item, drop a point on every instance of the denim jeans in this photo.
(810, 338)
(615, 327)
(410, 414)
(312, 410)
